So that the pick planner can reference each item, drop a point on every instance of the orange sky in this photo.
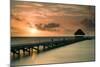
(44, 19)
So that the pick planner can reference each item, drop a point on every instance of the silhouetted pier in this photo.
(15, 49)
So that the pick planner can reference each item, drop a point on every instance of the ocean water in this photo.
(77, 52)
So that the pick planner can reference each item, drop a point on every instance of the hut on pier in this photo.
(79, 34)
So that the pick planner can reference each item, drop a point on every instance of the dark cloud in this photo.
(16, 17)
(51, 25)
(29, 24)
(48, 27)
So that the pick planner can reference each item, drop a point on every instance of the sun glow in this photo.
(33, 30)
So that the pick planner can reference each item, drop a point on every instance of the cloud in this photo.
(48, 27)
(51, 25)
(53, 10)
(16, 18)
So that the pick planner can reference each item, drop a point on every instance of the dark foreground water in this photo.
(77, 52)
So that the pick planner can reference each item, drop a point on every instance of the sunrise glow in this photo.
(33, 30)
(41, 19)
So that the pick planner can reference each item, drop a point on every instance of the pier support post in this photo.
(38, 49)
(23, 51)
(44, 47)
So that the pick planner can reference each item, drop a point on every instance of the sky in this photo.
(84, 2)
(47, 19)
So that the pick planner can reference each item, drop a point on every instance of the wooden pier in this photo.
(15, 49)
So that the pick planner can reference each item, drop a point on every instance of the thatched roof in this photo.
(79, 32)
